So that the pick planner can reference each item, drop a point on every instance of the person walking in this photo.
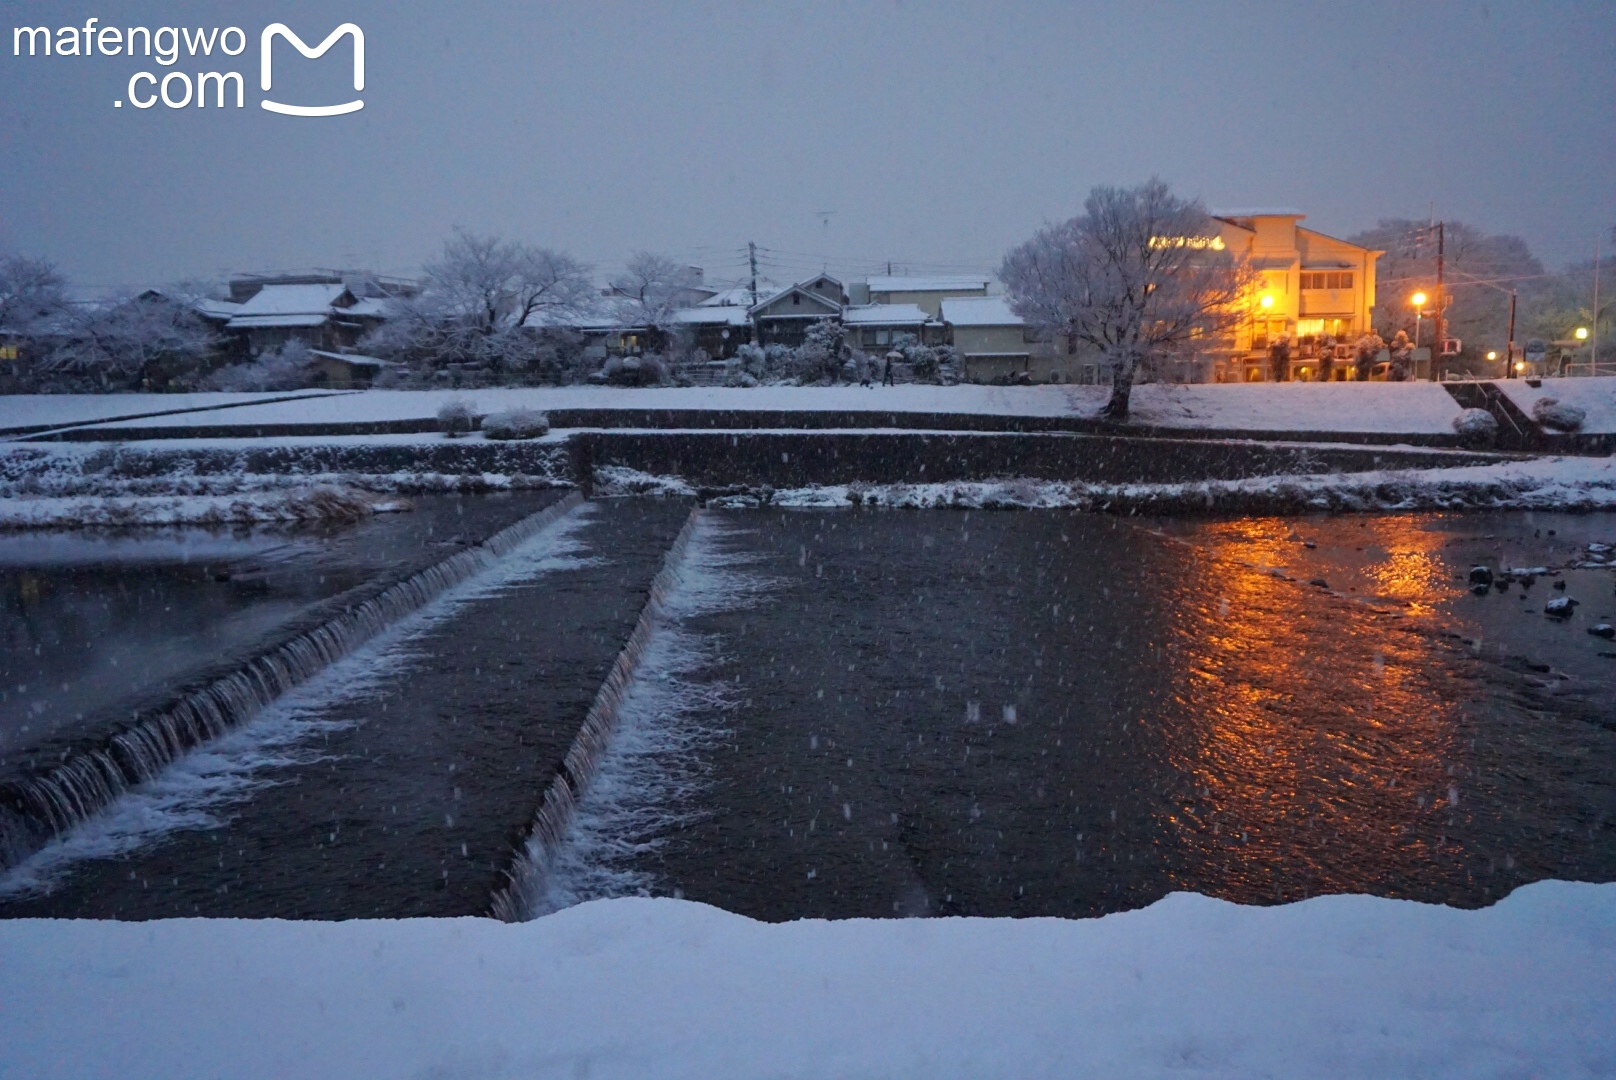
(1401, 368)
(886, 376)
(1369, 346)
(864, 365)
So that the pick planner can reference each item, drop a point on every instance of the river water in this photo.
(1061, 714)
(960, 713)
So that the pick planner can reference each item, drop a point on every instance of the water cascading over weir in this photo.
(49, 796)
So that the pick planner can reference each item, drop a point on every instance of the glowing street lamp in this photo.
(1581, 333)
(1418, 300)
(1492, 355)
(1268, 301)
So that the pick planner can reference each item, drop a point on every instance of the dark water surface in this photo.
(947, 712)
(1046, 713)
(92, 619)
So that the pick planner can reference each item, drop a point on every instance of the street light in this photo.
(1581, 333)
(1418, 300)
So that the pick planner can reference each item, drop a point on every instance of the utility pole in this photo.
(751, 251)
(1593, 331)
(1509, 346)
(1441, 328)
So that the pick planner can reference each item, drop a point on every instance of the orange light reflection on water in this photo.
(1314, 731)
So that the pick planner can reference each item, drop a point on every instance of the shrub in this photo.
(1476, 426)
(1553, 413)
(457, 417)
(516, 424)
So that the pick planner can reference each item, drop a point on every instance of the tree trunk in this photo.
(1122, 372)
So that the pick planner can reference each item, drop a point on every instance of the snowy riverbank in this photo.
(1538, 484)
(1343, 986)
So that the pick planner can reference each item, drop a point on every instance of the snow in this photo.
(900, 284)
(1568, 483)
(301, 502)
(885, 315)
(1391, 408)
(1595, 396)
(292, 300)
(1399, 408)
(713, 316)
(1344, 986)
(979, 311)
(62, 410)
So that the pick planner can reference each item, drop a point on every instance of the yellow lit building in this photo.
(1311, 285)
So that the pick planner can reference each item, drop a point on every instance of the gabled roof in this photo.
(292, 300)
(885, 315)
(265, 322)
(740, 295)
(980, 311)
(1259, 211)
(941, 283)
(830, 306)
(728, 315)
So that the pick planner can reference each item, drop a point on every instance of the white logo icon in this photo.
(282, 30)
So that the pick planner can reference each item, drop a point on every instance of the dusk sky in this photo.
(936, 136)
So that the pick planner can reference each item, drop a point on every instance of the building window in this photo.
(1265, 331)
(8, 352)
(1327, 279)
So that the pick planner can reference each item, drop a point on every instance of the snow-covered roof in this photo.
(825, 301)
(713, 316)
(740, 295)
(374, 307)
(215, 309)
(890, 284)
(266, 322)
(885, 315)
(292, 300)
(979, 311)
(1260, 211)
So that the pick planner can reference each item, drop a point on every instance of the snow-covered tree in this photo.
(820, 355)
(1127, 278)
(1480, 269)
(137, 342)
(30, 290)
(289, 367)
(656, 285)
(483, 301)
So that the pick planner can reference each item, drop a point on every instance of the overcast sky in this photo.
(934, 135)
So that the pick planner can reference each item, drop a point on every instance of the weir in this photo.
(90, 774)
(533, 863)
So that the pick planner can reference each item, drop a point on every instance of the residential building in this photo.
(996, 345)
(875, 328)
(1311, 286)
(323, 309)
(926, 293)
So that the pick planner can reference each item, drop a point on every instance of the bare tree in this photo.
(656, 285)
(30, 290)
(1135, 276)
(134, 342)
(484, 300)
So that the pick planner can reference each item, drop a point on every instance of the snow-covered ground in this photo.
(1596, 397)
(1340, 986)
(1558, 483)
(295, 503)
(1411, 408)
(33, 410)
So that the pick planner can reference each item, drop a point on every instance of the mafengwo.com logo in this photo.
(167, 46)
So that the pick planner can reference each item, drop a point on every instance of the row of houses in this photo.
(1312, 286)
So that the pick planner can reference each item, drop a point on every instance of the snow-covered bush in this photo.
(1476, 426)
(289, 367)
(516, 424)
(647, 370)
(754, 361)
(1556, 414)
(457, 417)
